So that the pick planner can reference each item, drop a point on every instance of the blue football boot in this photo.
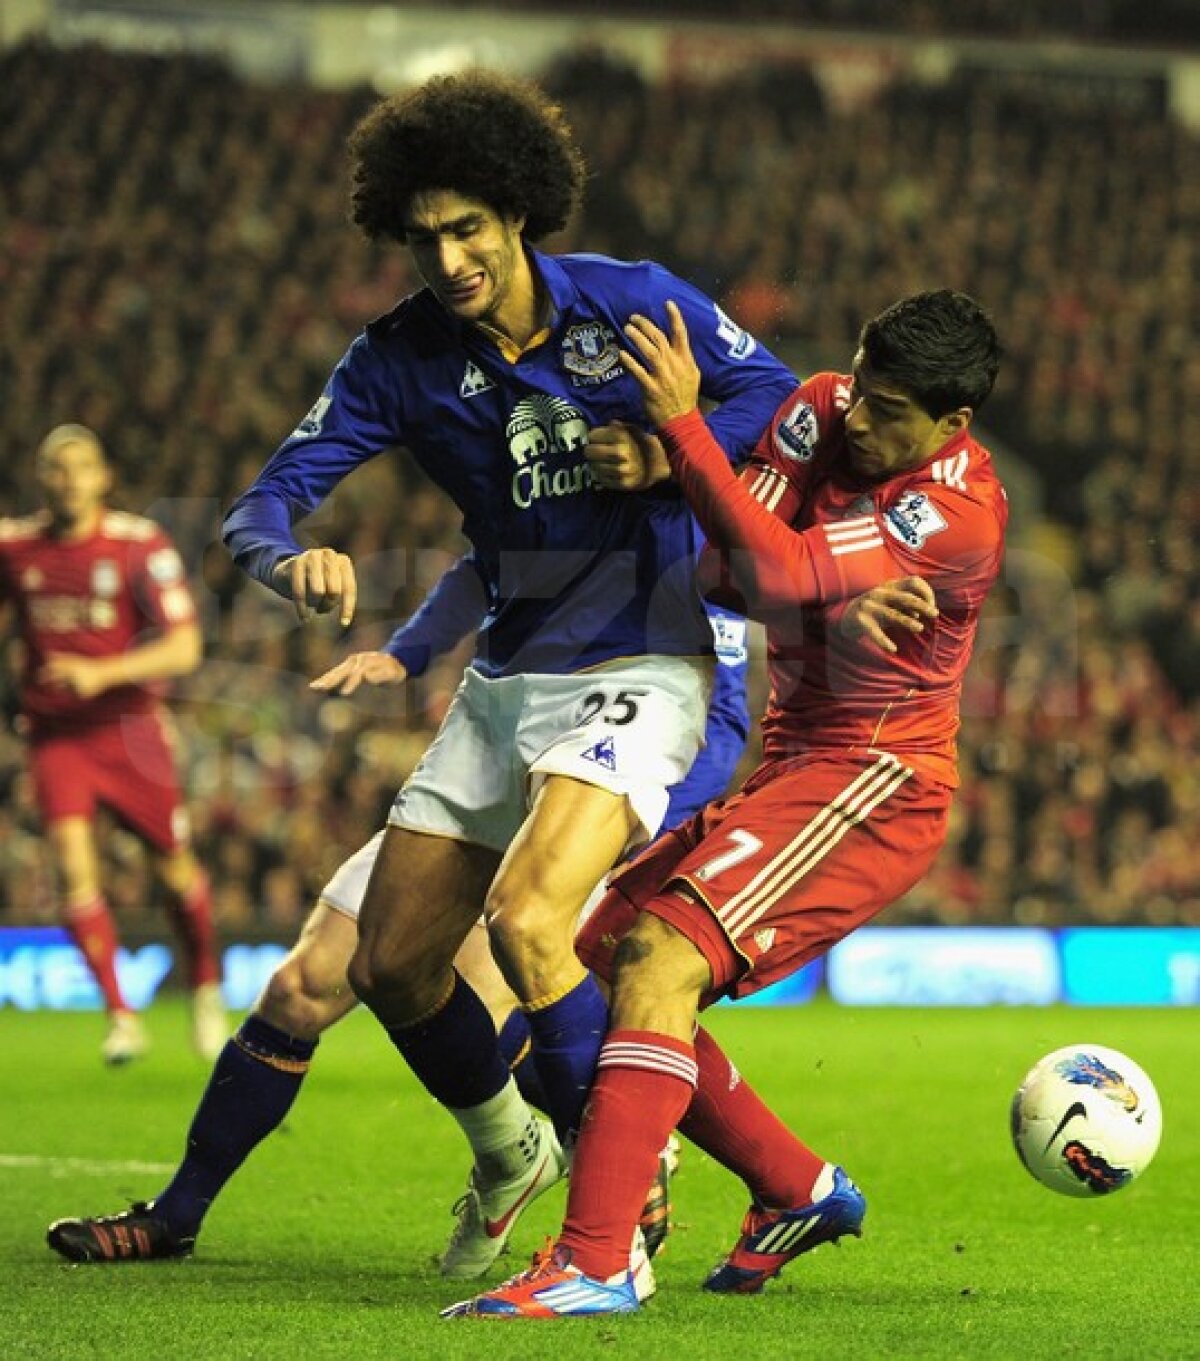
(771, 1238)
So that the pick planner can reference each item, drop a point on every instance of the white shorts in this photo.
(642, 725)
(633, 727)
(348, 887)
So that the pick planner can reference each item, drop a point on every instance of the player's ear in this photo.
(954, 422)
(108, 477)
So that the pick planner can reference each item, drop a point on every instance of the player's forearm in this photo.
(760, 560)
(753, 561)
(455, 607)
(178, 652)
(258, 534)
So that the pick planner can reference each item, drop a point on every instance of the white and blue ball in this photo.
(1086, 1120)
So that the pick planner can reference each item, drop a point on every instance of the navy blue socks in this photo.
(453, 1052)
(516, 1046)
(567, 1036)
(251, 1090)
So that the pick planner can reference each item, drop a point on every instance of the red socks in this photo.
(647, 1084)
(729, 1121)
(191, 917)
(93, 930)
(643, 1084)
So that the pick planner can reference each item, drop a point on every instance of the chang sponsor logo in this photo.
(540, 432)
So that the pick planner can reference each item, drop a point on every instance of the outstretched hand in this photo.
(360, 668)
(663, 366)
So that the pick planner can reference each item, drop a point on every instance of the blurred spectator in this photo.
(1174, 22)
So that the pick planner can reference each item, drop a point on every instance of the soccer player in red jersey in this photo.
(104, 615)
(860, 479)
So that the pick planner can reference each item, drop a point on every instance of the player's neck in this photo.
(78, 528)
(524, 313)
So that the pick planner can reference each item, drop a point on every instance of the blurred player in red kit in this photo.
(860, 480)
(104, 616)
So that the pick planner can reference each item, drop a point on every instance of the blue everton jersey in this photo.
(574, 574)
(728, 724)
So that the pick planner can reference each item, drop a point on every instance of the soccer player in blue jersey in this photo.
(587, 695)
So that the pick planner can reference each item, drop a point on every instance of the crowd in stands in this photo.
(1166, 22)
(178, 271)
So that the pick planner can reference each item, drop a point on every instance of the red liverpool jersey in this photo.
(92, 597)
(943, 521)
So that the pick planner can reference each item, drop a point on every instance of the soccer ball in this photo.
(1086, 1121)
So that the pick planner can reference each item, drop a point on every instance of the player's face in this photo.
(74, 479)
(887, 431)
(471, 257)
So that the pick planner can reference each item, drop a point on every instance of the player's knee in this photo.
(364, 974)
(303, 1000)
(402, 983)
(525, 927)
(179, 872)
(512, 934)
(76, 902)
(654, 961)
(78, 884)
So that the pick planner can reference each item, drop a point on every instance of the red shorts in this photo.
(806, 852)
(126, 765)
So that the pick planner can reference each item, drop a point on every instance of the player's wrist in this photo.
(281, 575)
(107, 673)
(657, 466)
(676, 427)
(680, 438)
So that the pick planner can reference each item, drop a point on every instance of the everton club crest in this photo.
(589, 352)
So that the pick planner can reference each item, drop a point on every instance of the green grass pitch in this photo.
(324, 1245)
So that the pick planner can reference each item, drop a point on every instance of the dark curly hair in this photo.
(940, 347)
(485, 136)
